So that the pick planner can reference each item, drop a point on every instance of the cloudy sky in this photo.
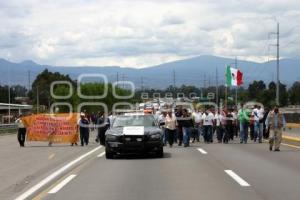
(140, 33)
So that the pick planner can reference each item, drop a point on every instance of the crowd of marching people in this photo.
(183, 127)
(100, 122)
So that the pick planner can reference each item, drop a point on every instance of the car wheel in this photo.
(108, 154)
(160, 152)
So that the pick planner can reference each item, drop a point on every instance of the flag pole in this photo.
(236, 96)
(236, 89)
(226, 91)
(226, 88)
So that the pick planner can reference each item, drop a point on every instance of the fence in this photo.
(8, 128)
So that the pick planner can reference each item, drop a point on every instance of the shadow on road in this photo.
(141, 156)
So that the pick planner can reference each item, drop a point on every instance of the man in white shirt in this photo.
(208, 122)
(21, 131)
(197, 116)
(258, 113)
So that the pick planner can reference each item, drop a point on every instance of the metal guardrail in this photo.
(8, 128)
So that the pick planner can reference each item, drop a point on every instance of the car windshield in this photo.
(135, 120)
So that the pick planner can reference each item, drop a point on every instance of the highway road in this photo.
(203, 171)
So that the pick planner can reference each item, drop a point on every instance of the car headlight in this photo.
(111, 137)
(155, 136)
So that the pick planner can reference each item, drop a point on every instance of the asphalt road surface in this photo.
(203, 171)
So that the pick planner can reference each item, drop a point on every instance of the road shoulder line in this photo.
(61, 184)
(55, 174)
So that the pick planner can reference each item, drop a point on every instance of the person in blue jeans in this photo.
(244, 118)
(208, 123)
(187, 124)
(161, 120)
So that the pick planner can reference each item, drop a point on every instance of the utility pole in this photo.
(29, 80)
(277, 63)
(174, 78)
(142, 84)
(123, 79)
(9, 102)
(9, 96)
(217, 88)
(117, 76)
(37, 99)
(277, 87)
(174, 83)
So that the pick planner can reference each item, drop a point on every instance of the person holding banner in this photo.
(84, 129)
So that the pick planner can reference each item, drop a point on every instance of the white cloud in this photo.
(139, 33)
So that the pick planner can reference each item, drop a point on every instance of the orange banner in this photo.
(58, 128)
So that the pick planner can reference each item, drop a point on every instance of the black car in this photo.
(134, 134)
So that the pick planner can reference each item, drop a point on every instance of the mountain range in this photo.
(199, 71)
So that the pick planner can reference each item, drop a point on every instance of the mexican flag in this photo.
(234, 77)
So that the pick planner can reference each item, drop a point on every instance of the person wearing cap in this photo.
(21, 131)
(84, 129)
(276, 122)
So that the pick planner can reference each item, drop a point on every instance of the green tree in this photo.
(41, 86)
(91, 89)
(294, 93)
(256, 90)
(15, 91)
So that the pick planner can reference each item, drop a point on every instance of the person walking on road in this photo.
(243, 116)
(276, 122)
(229, 126)
(235, 122)
(103, 124)
(84, 129)
(208, 122)
(219, 128)
(197, 116)
(170, 127)
(161, 121)
(187, 124)
(21, 131)
(179, 134)
(258, 113)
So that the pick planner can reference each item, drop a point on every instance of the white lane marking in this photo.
(237, 178)
(62, 184)
(55, 174)
(101, 154)
(289, 145)
(202, 151)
